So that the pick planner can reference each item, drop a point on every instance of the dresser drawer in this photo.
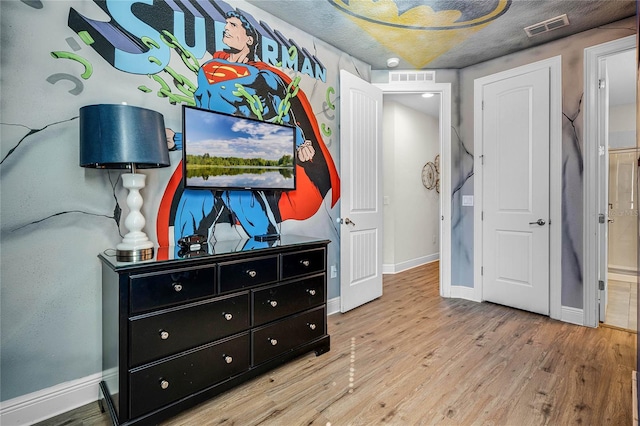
(286, 299)
(282, 336)
(247, 273)
(159, 384)
(170, 332)
(301, 263)
(158, 290)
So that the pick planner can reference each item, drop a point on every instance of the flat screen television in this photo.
(222, 151)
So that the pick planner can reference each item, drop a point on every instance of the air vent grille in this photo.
(411, 76)
(546, 26)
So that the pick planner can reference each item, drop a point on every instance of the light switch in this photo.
(467, 200)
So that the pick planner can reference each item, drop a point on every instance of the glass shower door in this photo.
(623, 238)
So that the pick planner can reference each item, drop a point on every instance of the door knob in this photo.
(346, 221)
(539, 222)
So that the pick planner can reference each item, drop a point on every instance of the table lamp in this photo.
(125, 137)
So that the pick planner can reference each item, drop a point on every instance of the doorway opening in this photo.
(411, 180)
(621, 293)
(443, 90)
(611, 156)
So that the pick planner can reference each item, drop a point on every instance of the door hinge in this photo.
(601, 84)
(601, 218)
(482, 270)
(482, 105)
(600, 285)
(482, 215)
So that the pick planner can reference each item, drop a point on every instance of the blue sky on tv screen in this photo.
(230, 136)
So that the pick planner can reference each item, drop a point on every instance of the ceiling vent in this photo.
(546, 26)
(411, 76)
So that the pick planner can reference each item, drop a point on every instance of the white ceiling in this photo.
(429, 106)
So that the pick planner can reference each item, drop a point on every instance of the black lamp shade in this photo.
(117, 136)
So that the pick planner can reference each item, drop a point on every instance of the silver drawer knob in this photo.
(164, 335)
(312, 326)
(177, 287)
(273, 303)
(228, 317)
(312, 292)
(273, 342)
(164, 384)
(228, 359)
(304, 262)
(252, 274)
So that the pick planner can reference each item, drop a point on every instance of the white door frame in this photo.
(444, 90)
(555, 177)
(592, 173)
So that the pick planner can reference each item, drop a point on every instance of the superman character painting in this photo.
(235, 82)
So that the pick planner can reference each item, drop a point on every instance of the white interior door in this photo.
(515, 205)
(361, 192)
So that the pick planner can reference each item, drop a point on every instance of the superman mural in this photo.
(236, 83)
(253, 71)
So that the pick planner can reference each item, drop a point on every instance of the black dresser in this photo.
(184, 327)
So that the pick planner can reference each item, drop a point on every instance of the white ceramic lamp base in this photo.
(135, 245)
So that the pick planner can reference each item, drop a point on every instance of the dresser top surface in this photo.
(217, 249)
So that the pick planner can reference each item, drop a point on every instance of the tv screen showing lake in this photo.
(222, 151)
(241, 177)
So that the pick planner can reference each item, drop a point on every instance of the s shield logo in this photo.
(421, 31)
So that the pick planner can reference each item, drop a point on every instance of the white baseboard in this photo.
(462, 292)
(572, 315)
(333, 306)
(394, 268)
(46, 403)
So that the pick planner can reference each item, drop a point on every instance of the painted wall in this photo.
(571, 49)
(56, 217)
(410, 140)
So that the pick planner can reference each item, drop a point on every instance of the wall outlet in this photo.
(334, 271)
(433, 239)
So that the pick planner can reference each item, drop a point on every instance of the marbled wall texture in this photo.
(571, 49)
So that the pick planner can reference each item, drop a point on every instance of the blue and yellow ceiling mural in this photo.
(433, 26)
(436, 34)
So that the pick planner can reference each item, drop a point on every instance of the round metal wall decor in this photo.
(429, 175)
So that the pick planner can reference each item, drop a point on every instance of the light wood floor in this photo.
(622, 303)
(413, 358)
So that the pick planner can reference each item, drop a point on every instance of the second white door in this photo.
(515, 205)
